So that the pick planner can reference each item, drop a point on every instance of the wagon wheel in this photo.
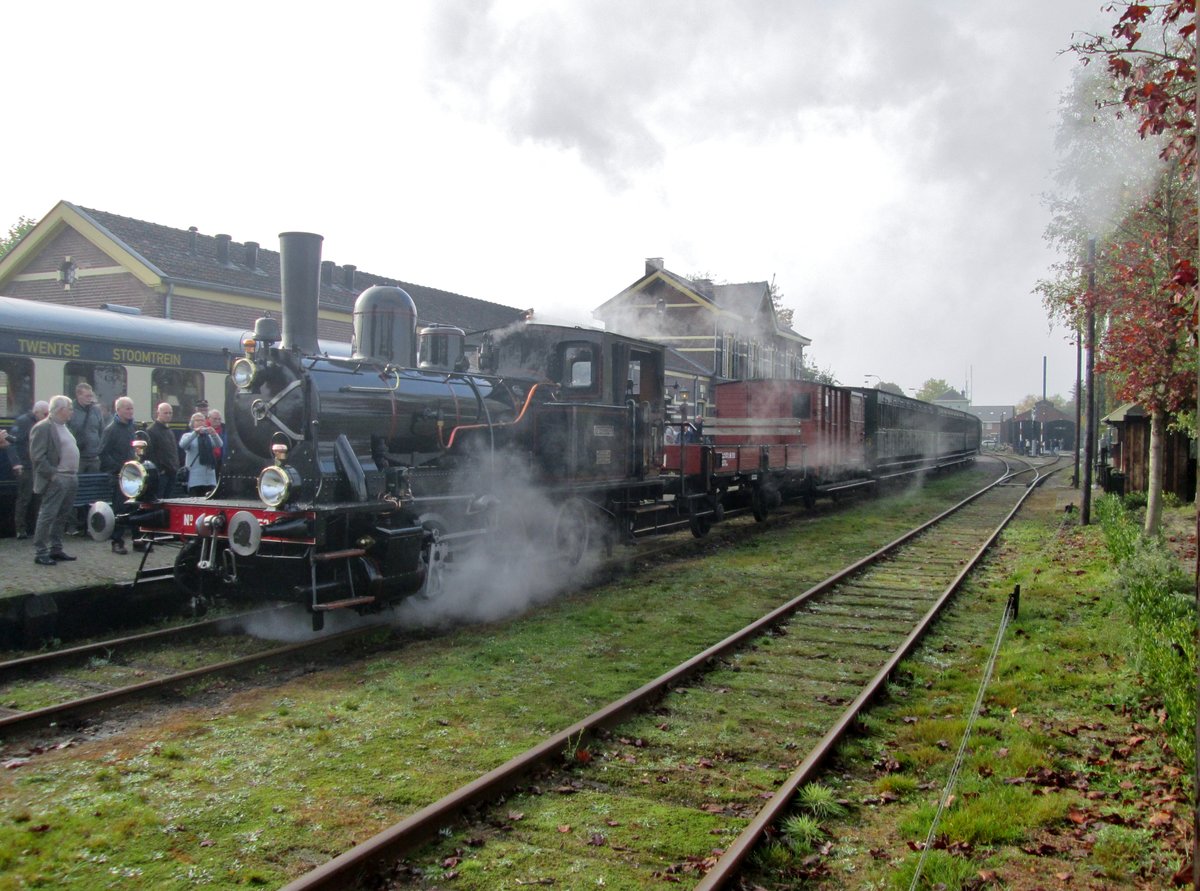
(760, 504)
(700, 524)
(573, 531)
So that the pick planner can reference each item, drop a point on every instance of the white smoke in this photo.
(519, 563)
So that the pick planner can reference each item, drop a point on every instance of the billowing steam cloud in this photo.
(520, 563)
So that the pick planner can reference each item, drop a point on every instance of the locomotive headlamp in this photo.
(276, 484)
(243, 373)
(134, 479)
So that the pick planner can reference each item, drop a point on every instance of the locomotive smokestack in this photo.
(300, 288)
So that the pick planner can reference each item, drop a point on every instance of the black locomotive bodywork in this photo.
(353, 481)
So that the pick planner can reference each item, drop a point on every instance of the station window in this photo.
(16, 387)
(108, 381)
(182, 389)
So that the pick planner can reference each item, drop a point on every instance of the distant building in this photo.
(995, 419)
(84, 257)
(953, 399)
(719, 332)
(1046, 425)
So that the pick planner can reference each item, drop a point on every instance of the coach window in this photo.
(108, 382)
(182, 389)
(16, 387)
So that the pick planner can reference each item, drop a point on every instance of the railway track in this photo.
(65, 686)
(812, 665)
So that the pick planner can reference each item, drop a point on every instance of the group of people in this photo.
(59, 439)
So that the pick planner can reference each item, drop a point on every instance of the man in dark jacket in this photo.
(87, 424)
(116, 447)
(163, 448)
(21, 466)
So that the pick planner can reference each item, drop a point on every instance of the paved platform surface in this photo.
(96, 566)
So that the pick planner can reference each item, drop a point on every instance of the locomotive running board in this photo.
(342, 604)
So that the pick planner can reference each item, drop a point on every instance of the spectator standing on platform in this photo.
(116, 447)
(87, 424)
(163, 451)
(217, 422)
(21, 467)
(198, 446)
(55, 459)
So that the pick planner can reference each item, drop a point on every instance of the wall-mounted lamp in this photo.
(67, 273)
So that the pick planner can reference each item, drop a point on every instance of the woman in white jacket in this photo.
(198, 444)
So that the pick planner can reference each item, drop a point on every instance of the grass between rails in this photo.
(278, 780)
(1069, 779)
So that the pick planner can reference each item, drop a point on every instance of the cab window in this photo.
(579, 367)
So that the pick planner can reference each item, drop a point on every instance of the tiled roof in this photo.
(181, 256)
(992, 414)
(742, 300)
(745, 299)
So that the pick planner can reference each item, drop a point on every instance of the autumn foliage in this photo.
(1151, 52)
(1148, 302)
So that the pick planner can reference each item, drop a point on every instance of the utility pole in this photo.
(1089, 446)
(1078, 401)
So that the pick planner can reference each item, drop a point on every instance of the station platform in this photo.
(47, 601)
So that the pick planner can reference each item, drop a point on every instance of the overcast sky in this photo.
(882, 161)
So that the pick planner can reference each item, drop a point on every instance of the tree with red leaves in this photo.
(1151, 52)
(1145, 277)
(1147, 298)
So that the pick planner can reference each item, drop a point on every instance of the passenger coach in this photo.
(46, 348)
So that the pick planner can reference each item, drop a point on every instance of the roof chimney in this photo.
(654, 264)
(251, 254)
(192, 239)
(327, 272)
(223, 249)
(348, 276)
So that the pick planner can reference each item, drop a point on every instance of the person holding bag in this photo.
(199, 450)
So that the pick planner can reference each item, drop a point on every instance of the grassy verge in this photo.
(280, 778)
(1072, 777)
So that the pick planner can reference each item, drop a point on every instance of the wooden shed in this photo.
(1127, 455)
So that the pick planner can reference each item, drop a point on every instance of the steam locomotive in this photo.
(355, 482)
